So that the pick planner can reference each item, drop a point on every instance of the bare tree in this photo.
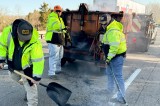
(44, 12)
(33, 18)
(154, 9)
(5, 18)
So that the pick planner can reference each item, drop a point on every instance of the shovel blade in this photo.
(58, 93)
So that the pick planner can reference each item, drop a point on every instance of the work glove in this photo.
(1, 65)
(107, 61)
(36, 80)
(64, 29)
(69, 40)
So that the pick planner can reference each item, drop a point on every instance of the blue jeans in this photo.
(116, 66)
(56, 54)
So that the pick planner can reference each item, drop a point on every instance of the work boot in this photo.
(54, 77)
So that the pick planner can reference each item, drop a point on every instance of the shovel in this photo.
(55, 91)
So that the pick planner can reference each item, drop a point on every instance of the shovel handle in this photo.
(25, 76)
(29, 78)
(43, 85)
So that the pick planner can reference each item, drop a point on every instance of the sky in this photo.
(26, 6)
(23, 7)
(146, 1)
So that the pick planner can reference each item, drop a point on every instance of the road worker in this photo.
(114, 47)
(55, 37)
(20, 47)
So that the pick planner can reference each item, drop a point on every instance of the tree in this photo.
(5, 19)
(154, 9)
(33, 18)
(44, 12)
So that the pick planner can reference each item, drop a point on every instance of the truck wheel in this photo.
(63, 61)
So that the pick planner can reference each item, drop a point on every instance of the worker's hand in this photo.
(67, 27)
(64, 29)
(107, 62)
(69, 40)
(36, 80)
(1, 65)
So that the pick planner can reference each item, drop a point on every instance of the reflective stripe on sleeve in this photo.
(9, 39)
(37, 60)
(2, 58)
(111, 54)
(114, 43)
(53, 23)
(61, 27)
(39, 76)
(3, 45)
(26, 66)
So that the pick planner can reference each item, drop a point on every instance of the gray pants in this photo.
(32, 92)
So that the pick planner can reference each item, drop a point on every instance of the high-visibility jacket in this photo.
(55, 33)
(114, 40)
(32, 53)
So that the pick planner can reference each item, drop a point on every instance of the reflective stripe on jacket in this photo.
(115, 38)
(32, 53)
(55, 25)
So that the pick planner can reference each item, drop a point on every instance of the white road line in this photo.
(127, 83)
(131, 78)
